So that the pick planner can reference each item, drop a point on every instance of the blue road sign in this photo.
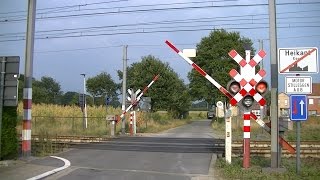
(298, 107)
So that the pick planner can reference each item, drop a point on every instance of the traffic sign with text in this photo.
(298, 60)
(298, 85)
(298, 107)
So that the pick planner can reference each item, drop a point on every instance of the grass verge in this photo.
(309, 169)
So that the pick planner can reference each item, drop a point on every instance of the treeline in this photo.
(48, 91)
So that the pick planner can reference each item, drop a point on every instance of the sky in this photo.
(87, 36)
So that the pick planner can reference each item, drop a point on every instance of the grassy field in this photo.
(67, 120)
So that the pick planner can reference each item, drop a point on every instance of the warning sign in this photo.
(298, 85)
(298, 60)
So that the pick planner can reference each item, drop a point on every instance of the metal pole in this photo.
(3, 71)
(85, 120)
(124, 87)
(274, 85)
(246, 138)
(261, 67)
(134, 122)
(298, 163)
(261, 48)
(27, 90)
(228, 140)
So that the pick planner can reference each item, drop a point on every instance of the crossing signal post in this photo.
(247, 87)
(251, 72)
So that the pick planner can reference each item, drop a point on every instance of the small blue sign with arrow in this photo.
(298, 107)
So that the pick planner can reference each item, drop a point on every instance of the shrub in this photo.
(9, 141)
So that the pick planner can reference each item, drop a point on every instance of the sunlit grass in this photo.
(68, 120)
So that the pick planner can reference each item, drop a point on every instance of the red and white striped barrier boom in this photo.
(201, 71)
(282, 142)
(139, 97)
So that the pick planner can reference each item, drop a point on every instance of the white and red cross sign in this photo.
(248, 78)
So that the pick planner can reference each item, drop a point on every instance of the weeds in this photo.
(310, 169)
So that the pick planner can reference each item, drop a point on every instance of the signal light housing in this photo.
(262, 87)
(247, 101)
(233, 87)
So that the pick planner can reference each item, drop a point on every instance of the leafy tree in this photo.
(47, 90)
(212, 56)
(70, 98)
(102, 86)
(167, 93)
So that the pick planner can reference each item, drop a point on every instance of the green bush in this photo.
(9, 144)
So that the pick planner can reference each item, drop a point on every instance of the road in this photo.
(181, 153)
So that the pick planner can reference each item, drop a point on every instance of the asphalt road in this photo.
(182, 153)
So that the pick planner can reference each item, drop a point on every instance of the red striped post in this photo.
(131, 123)
(246, 139)
(139, 97)
(26, 122)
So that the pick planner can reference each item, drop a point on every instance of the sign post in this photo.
(300, 60)
(228, 140)
(298, 113)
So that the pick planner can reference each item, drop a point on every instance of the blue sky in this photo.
(100, 49)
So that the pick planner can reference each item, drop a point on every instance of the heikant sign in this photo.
(298, 60)
(298, 85)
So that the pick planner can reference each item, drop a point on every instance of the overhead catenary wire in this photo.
(177, 21)
(152, 45)
(190, 29)
(64, 7)
(157, 9)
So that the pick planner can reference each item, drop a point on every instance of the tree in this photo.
(167, 93)
(70, 98)
(47, 91)
(102, 86)
(212, 56)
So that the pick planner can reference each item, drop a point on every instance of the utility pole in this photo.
(124, 87)
(3, 71)
(85, 117)
(274, 85)
(27, 90)
(261, 67)
(261, 47)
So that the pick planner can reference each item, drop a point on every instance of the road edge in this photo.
(66, 165)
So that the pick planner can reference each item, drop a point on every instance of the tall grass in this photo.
(67, 120)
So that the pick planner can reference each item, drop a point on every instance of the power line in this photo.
(158, 29)
(154, 45)
(161, 31)
(159, 9)
(180, 21)
(116, 7)
(64, 7)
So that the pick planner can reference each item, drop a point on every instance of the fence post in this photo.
(35, 123)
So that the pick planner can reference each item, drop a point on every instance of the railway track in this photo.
(257, 148)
